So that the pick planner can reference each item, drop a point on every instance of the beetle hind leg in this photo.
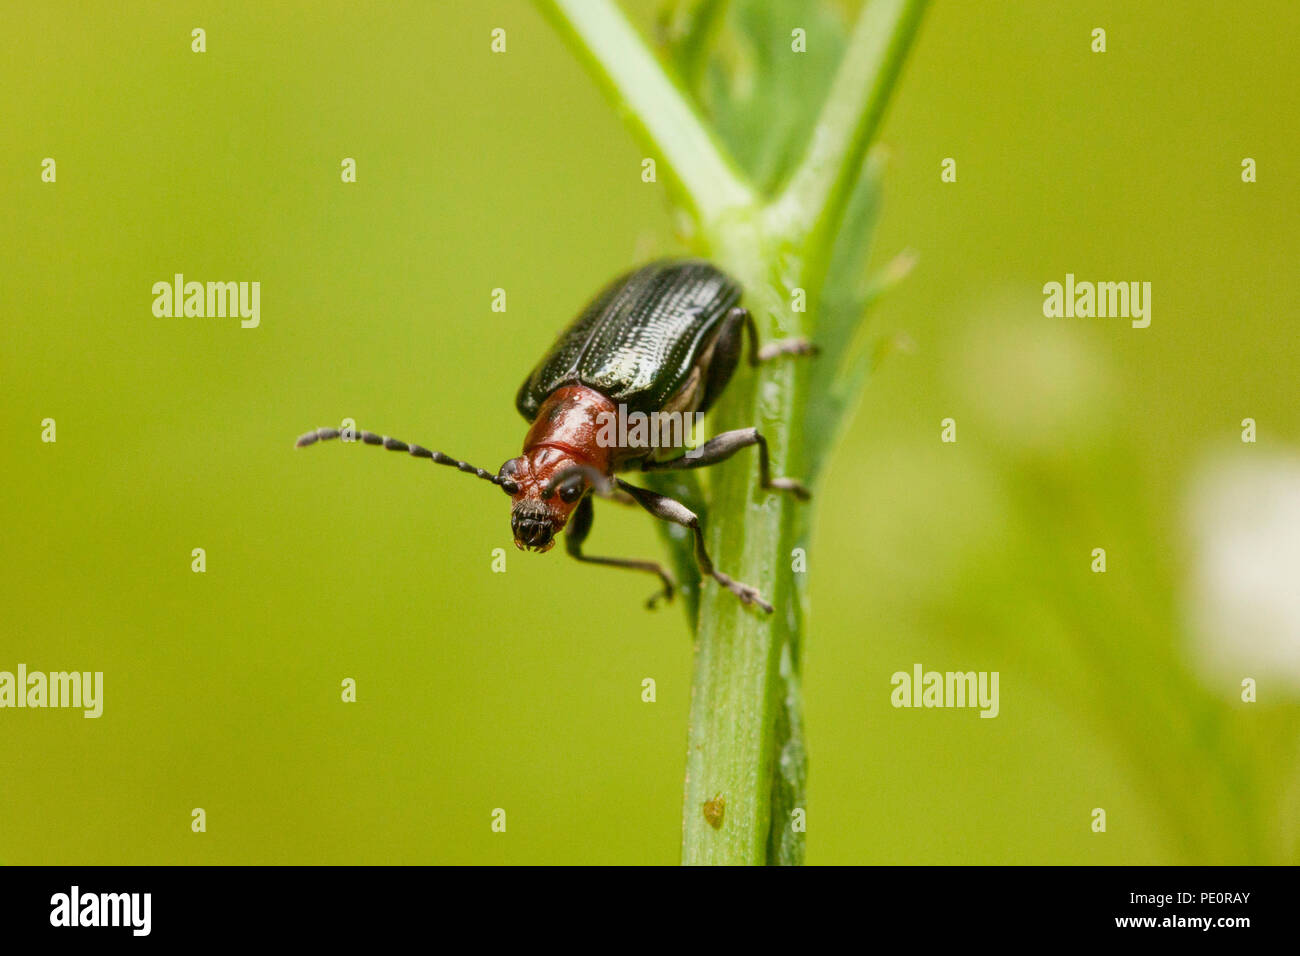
(738, 325)
(580, 527)
(757, 355)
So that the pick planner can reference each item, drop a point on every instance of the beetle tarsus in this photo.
(792, 485)
(747, 594)
(666, 595)
(787, 347)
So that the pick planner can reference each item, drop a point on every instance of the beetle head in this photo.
(541, 505)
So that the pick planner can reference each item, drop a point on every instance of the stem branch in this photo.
(818, 192)
(702, 178)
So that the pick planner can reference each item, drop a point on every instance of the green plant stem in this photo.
(745, 750)
(700, 177)
(746, 741)
(814, 200)
(744, 711)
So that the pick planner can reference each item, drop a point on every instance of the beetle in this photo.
(663, 339)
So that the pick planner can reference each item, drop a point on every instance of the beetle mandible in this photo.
(664, 338)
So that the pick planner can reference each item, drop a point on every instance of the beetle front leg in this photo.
(723, 446)
(618, 496)
(580, 527)
(669, 509)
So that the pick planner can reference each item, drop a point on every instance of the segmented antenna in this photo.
(395, 444)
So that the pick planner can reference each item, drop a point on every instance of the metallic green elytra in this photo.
(639, 341)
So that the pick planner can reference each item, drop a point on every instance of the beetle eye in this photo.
(504, 475)
(571, 492)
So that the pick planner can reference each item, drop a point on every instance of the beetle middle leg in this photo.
(723, 446)
(669, 509)
(580, 526)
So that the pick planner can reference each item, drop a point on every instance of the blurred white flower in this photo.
(1245, 586)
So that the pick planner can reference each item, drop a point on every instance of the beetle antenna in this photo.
(395, 444)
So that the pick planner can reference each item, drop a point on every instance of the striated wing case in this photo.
(637, 341)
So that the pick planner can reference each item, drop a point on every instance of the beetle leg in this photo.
(772, 349)
(669, 509)
(618, 496)
(580, 525)
(723, 446)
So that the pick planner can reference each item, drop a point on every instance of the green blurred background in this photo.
(522, 690)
